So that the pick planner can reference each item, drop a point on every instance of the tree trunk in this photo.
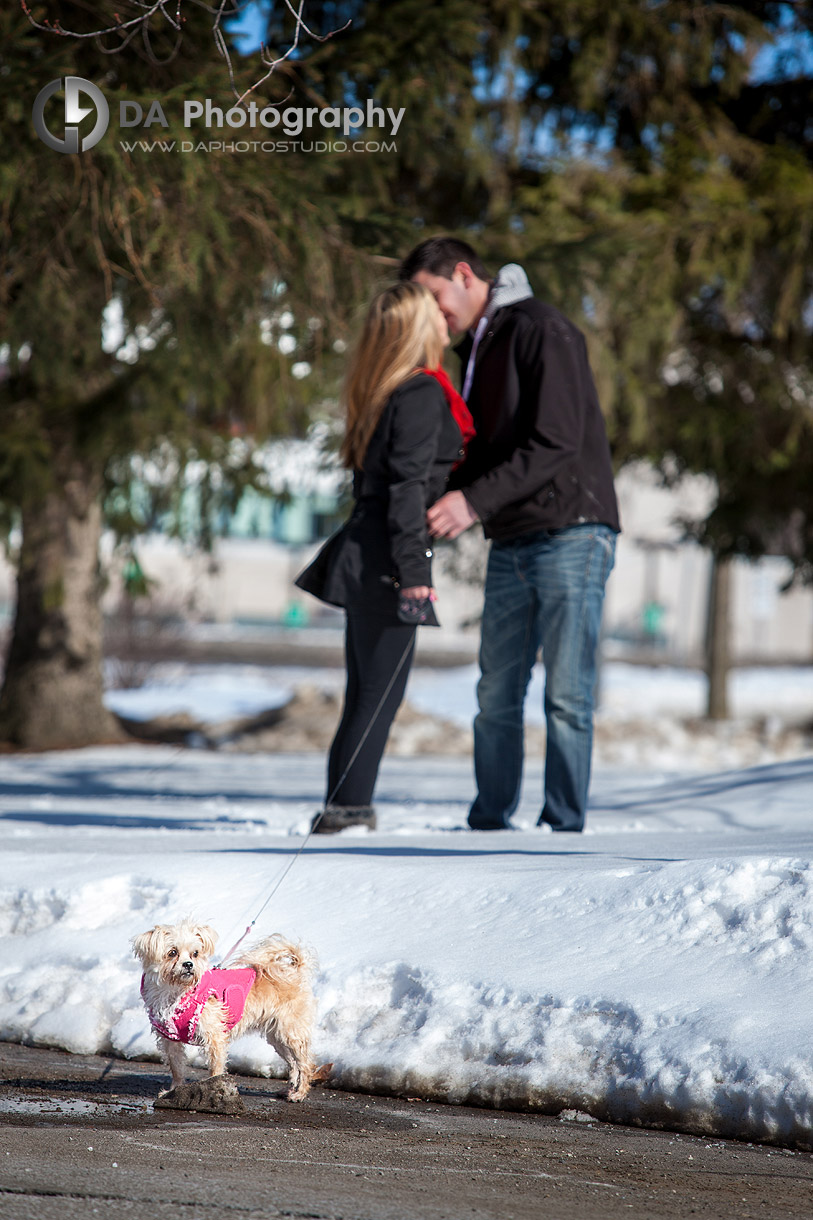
(52, 692)
(718, 639)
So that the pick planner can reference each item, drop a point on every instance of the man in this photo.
(538, 476)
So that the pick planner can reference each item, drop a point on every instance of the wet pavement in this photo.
(79, 1138)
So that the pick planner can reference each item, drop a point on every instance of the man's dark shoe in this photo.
(333, 818)
(543, 825)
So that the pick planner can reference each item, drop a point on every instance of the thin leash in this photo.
(330, 797)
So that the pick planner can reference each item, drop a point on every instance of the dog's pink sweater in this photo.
(231, 987)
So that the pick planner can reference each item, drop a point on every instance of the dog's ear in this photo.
(207, 937)
(147, 946)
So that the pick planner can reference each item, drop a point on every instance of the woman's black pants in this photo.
(374, 649)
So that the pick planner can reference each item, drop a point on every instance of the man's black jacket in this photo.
(540, 459)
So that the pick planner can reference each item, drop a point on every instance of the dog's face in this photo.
(177, 955)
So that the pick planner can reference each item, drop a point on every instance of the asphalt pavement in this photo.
(79, 1138)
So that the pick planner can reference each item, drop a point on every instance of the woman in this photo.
(401, 441)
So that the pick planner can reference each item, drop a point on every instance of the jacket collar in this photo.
(510, 286)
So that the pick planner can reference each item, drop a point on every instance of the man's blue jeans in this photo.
(543, 589)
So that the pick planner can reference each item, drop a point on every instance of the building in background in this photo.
(656, 601)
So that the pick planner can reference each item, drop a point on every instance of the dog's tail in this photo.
(278, 958)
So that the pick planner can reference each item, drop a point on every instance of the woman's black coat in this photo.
(385, 544)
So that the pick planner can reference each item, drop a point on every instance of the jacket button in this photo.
(429, 554)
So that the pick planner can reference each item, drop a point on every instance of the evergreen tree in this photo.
(137, 297)
(689, 241)
(656, 185)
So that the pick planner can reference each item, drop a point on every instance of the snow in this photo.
(223, 693)
(654, 970)
(635, 689)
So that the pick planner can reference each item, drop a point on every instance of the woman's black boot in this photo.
(333, 818)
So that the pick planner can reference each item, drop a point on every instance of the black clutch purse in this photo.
(417, 611)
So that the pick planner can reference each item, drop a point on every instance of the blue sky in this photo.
(791, 54)
(250, 27)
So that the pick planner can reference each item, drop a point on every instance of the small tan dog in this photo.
(268, 990)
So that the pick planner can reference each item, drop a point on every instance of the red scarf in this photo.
(457, 405)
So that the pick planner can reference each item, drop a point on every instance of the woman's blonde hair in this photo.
(400, 335)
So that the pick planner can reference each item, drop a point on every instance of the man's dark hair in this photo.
(440, 256)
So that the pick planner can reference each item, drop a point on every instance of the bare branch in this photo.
(55, 27)
(170, 10)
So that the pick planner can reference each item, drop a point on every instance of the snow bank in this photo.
(654, 970)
